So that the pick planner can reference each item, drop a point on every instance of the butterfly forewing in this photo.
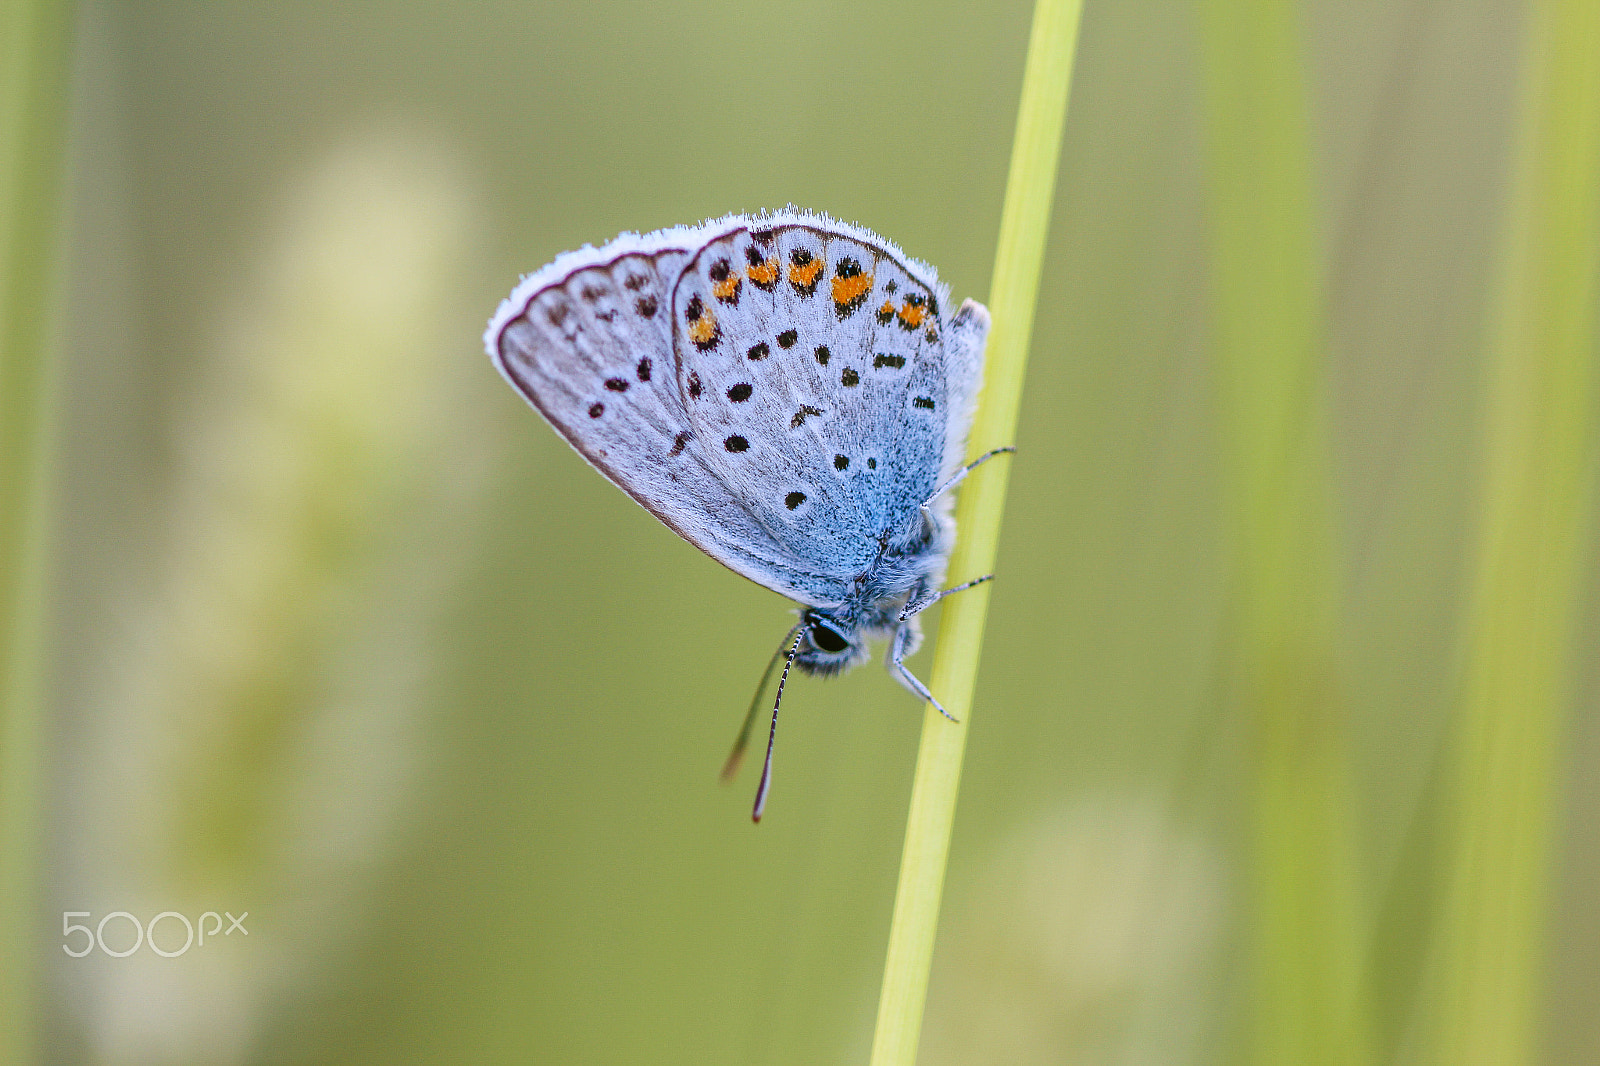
(591, 350)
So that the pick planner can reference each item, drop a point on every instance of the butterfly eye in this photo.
(827, 638)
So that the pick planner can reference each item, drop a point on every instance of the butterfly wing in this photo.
(828, 389)
(587, 341)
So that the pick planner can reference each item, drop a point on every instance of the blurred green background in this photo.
(343, 636)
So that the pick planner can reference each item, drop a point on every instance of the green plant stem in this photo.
(1024, 223)
(1536, 500)
(33, 74)
(1307, 1004)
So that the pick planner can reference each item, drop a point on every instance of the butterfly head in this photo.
(828, 644)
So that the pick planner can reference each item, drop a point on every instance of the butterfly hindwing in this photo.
(812, 364)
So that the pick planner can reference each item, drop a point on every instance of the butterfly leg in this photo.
(959, 475)
(916, 607)
(897, 654)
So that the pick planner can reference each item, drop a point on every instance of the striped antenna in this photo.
(772, 734)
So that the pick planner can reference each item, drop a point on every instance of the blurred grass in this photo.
(1306, 1002)
(1096, 924)
(34, 60)
(255, 735)
(1508, 753)
(1013, 292)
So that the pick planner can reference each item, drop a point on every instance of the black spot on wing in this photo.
(800, 416)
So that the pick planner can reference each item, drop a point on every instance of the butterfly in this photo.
(788, 393)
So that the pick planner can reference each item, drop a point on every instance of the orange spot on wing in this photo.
(912, 314)
(727, 288)
(703, 330)
(805, 276)
(764, 273)
(848, 290)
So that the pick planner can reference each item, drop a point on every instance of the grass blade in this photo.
(1024, 222)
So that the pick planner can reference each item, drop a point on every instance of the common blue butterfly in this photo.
(788, 393)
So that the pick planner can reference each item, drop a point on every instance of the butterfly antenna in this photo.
(772, 734)
(736, 756)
